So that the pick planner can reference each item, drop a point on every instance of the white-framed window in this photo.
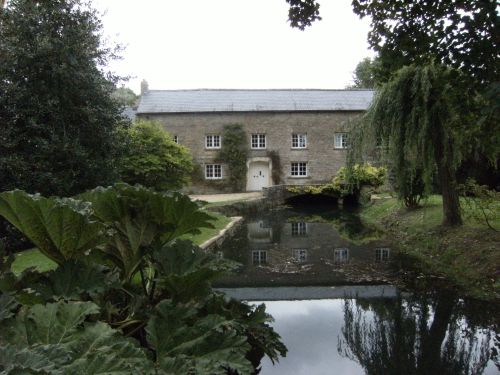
(212, 141)
(298, 169)
(213, 171)
(300, 255)
(258, 141)
(341, 255)
(299, 140)
(382, 254)
(299, 228)
(259, 257)
(341, 140)
(176, 139)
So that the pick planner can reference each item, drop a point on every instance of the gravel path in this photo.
(228, 197)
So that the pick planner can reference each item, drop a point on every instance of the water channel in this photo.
(329, 283)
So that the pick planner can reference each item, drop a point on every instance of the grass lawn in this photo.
(34, 258)
(468, 256)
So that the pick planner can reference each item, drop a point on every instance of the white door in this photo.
(258, 176)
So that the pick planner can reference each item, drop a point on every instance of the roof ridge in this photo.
(208, 89)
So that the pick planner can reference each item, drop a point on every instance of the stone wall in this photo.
(323, 160)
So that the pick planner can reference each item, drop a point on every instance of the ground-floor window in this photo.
(176, 138)
(298, 169)
(213, 171)
(259, 257)
(382, 254)
(299, 228)
(341, 255)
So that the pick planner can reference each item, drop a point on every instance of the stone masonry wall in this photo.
(323, 159)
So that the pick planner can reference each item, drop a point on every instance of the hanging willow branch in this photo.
(414, 118)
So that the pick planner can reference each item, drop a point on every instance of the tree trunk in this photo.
(451, 202)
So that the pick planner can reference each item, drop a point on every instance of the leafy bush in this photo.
(153, 159)
(481, 204)
(129, 298)
(347, 181)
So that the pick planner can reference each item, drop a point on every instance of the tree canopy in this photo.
(58, 118)
(463, 34)
(153, 159)
(365, 74)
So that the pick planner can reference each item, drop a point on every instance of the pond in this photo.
(328, 282)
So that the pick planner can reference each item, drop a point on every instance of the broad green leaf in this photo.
(7, 305)
(185, 343)
(142, 220)
(186, 272)
(72, 280)
(54, 339)
(60, 228)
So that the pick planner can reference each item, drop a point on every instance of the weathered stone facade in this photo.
(322, 157)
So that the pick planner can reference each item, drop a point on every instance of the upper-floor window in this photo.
(298, 169)
(213, 171)
(300, 255)
(259, 257)
(176, 138)
(258, 141)
(212, 141)
(299, 140)
(341, 140)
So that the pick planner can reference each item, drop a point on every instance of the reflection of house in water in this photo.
(298, 252)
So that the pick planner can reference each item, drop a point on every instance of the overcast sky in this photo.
(186, 44)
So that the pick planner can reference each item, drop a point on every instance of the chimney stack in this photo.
(144, 87)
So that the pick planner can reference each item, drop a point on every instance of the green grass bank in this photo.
(468, 257)
(34, 258)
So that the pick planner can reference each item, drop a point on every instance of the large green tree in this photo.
(365, 74)
(153, 159)
(57, 116)
(417, 115)
(463, 34)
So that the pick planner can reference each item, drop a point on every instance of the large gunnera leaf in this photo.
(55, 339)
(61, 228)
(186, 272)
(187, 344)
(74, 279)
(143, 220)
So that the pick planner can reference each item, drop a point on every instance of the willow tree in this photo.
(416, 116)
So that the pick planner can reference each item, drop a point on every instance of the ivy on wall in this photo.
(277, 169)
(234, 153)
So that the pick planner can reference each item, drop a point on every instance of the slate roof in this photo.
(211, 100)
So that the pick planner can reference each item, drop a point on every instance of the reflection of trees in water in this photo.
(413, 336)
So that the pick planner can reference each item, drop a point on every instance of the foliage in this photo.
(142, 222)
(61, 228)
(55, 339)
(483, 204)
(460, 34)
(415, 115)
(145, 306)
(302, 13)
(347, 181)
(234, 153)
(365, 74)
(125, 96)
(277, 168)
(153, 159)
(59, 122)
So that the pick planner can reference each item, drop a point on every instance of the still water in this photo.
(326, 279)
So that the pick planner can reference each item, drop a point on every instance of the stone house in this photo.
(295, 137)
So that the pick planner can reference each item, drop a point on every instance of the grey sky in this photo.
(233, 44)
